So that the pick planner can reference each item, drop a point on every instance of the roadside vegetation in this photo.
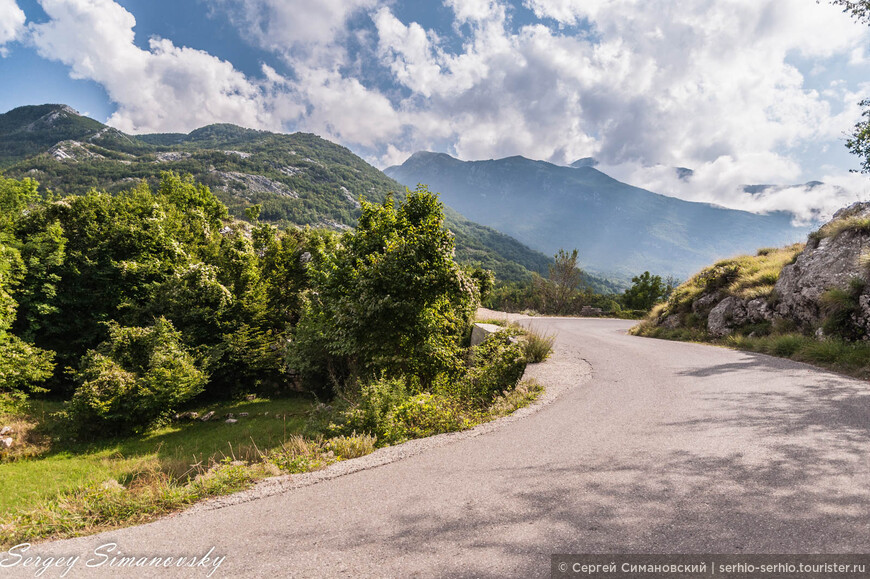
(568, 291)
(155, 351)
(753, 277)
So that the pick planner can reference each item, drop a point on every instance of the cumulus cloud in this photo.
(643, 87)
(734, 89)
(164, 88)
(11, 23)
(298, 29)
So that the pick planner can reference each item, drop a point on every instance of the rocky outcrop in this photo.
(833, 257)
(829, 261)
(733, 312)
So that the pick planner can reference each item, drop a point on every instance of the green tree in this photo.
(860, 10)
(558, 291)
(390, 299)
(135, 378)
(96, 258)
(646, 291)
(858, 142)
(23, 367)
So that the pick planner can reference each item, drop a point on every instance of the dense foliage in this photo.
(390, 298)
(646, 291)
(152, 297)
(858, 142)
(23, 367)
(297, 179)
(133, 379)
(569, 291)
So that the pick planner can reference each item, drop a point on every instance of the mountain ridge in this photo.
(299, 179)
(618, 228)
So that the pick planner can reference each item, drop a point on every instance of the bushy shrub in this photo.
(420, 416)
(22, 366)
(351, 446)
(387, 412)
(841, 306)
(132, 380)
(496, 364)
(389, 299)
(371, 413)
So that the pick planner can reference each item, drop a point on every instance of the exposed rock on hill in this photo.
(832, 258)
(298, 179)
(820, 287)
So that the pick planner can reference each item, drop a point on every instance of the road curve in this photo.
(667, 448)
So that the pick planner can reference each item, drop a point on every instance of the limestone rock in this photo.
(481, 331)
(704, 303)
(6, 443)
(758, 310)
(729, 313)
(827, 263)
(672, 322)
(6, 430)
(207, 416)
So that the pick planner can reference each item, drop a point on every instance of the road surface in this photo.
(665, 447)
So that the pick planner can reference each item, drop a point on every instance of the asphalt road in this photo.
(665, 448)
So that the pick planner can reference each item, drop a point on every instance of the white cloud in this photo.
(651, 85)
(165, 88)
(298, 29)
(11, 23)
(725, 87)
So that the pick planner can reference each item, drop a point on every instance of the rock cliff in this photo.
(818, 287)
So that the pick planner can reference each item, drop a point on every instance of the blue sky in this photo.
(741, 91)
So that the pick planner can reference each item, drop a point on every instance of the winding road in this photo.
(653, 447)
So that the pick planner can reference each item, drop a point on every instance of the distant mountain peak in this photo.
(584, 162)
(684, 174)
(617, 228)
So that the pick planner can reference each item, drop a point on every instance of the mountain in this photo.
(299, 179)
(619, 229)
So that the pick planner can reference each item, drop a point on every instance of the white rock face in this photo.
(829, 263)
(255, 183)
(172, 156)
(480, 332)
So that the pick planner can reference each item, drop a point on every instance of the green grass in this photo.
(537, 347)
(745, 277)
(846, 223)
(60, 487)
(174, 449)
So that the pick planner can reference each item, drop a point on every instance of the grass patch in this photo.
(847, 223)
(537, 346)
(110, 504)
(746, 277)
(64, 488)
(526, 392)
(494, 321)
(65, 464)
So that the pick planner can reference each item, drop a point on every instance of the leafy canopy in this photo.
(389, 299)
